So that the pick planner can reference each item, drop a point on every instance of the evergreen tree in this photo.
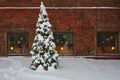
(43, 48)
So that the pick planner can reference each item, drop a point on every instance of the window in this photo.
(64, 42)
(17, 43)
(107, 42)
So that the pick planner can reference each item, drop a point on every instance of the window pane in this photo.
(17, 43)
(107, 42)
(64, 43)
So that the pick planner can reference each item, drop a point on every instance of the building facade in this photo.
(81, 27)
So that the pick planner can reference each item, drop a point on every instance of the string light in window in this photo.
(61, 48)
(113, 48)
(11, 48)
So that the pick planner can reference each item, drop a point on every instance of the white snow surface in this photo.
(70, 68)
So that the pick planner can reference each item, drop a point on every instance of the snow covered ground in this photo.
(70, 68)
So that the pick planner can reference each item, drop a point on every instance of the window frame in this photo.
(106, 34)
(59, 44)
(16, 34)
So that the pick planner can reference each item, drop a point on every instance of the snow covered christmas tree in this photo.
(43, 49)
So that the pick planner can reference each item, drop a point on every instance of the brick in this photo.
(61, 3)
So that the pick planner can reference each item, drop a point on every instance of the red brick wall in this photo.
(18, 18)
(84, 24)
(60, 3)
